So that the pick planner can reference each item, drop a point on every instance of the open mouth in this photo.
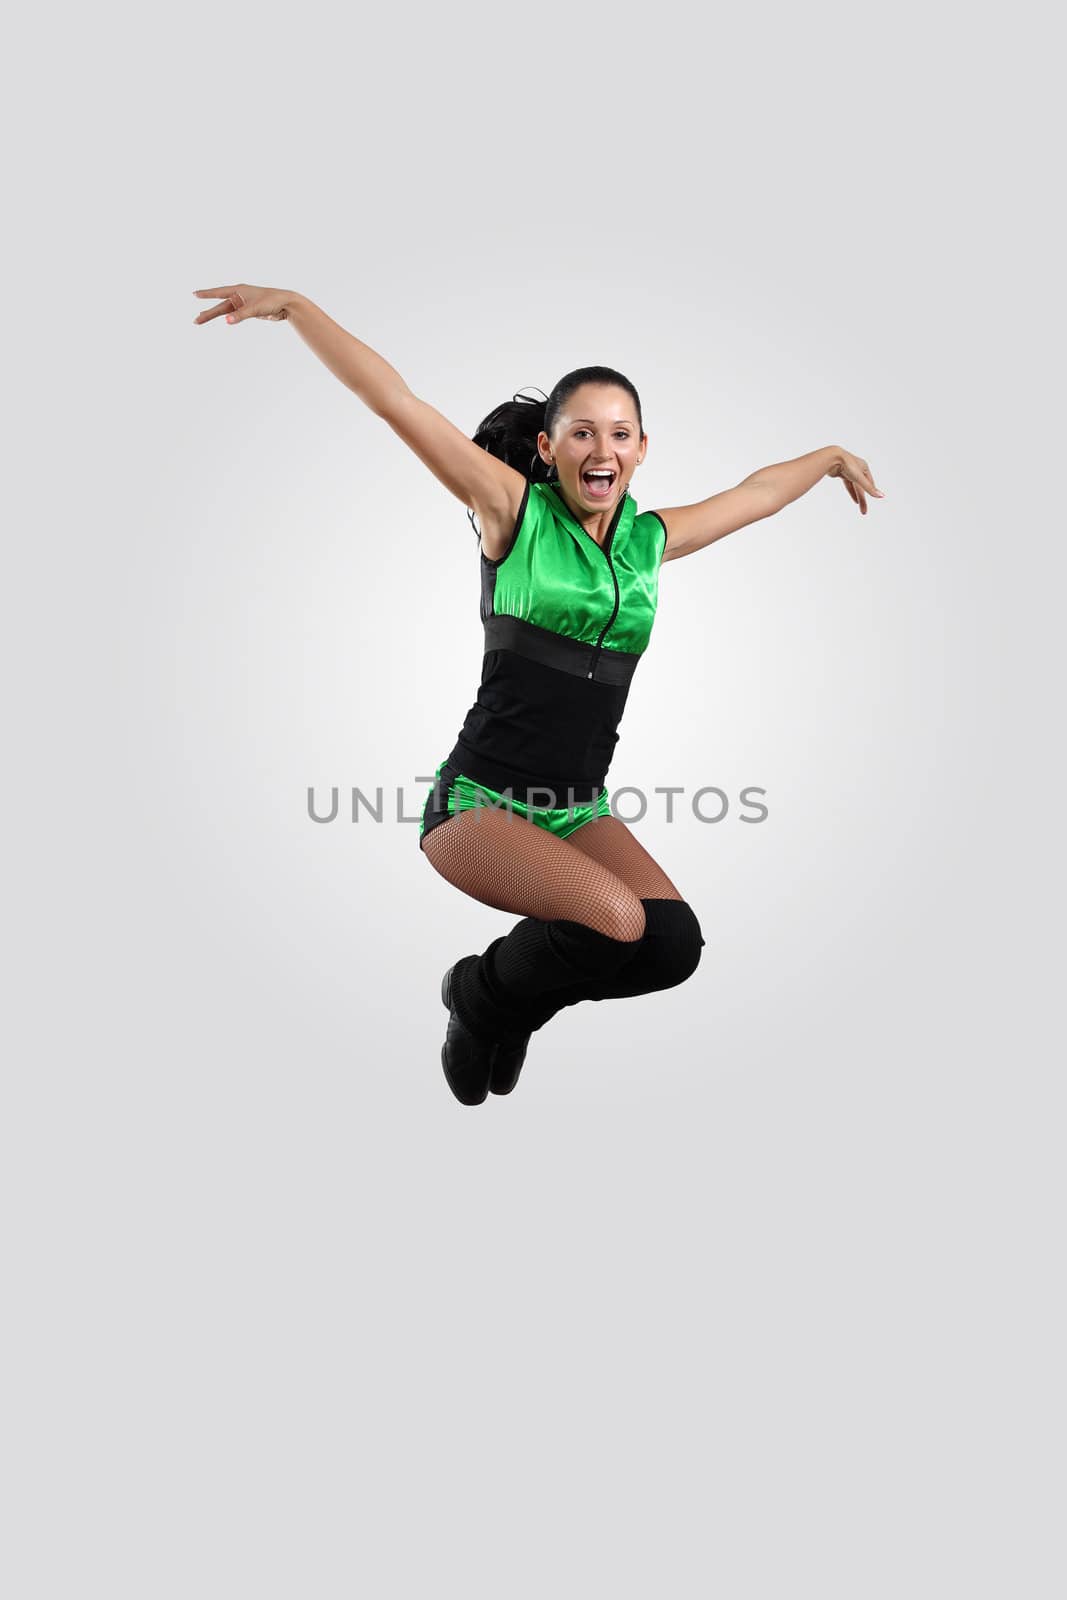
(598, 485)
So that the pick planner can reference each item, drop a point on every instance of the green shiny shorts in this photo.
(453, 792)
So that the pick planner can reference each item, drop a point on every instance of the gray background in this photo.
(751, 1288)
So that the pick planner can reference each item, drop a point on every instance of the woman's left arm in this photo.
(761, 494)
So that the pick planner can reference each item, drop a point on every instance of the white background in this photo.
(751, 1288)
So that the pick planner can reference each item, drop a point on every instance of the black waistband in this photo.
(556, 650)
(523, 785)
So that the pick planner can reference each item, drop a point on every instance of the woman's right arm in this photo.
(359, 368)
(491, 488)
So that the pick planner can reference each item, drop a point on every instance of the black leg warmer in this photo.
(512, 989)
(666, 956)
(669, 953)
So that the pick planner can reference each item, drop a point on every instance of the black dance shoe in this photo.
(507, 1064)
(468, 1061)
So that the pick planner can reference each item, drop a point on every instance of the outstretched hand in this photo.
(243, 300)
(856, 476)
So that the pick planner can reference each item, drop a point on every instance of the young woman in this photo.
(518, 816)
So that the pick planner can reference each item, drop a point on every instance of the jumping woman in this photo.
(518, 816)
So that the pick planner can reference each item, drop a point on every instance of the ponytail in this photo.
(510, 433)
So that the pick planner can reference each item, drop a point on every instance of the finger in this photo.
(214, 294)
(868, 480)
(215, 311)
(233, 300)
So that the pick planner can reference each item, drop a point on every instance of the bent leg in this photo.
(671, 946)
(610, 842)
(581, 923)
(668, 954)
(508, 862)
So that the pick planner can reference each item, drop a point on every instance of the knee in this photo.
(674, 933)
(619, 918)
(589, 952)
(624, 920)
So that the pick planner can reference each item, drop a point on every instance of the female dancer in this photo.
(570, 574)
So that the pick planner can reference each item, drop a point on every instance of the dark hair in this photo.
(510, 432)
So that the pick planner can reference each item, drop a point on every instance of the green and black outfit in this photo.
(566, 621)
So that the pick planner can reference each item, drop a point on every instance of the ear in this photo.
(544, 448)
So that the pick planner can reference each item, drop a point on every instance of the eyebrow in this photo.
(619, 422)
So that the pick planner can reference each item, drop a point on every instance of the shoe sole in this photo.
(506, 1088)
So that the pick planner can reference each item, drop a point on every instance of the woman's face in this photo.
(597, 429)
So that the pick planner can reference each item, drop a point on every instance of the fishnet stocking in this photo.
(510, 863)
(610, 842)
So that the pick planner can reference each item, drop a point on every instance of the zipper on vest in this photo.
(615, 611)
(611, 619)
(605, 549)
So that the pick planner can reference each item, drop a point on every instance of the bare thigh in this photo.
(608, 841)
(509, 863)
